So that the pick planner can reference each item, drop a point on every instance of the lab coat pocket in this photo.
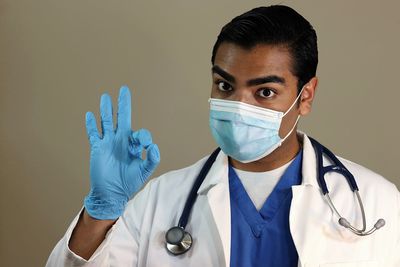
(352, 264)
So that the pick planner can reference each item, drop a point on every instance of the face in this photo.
(262, 77)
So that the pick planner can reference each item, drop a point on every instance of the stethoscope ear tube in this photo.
(379, 224)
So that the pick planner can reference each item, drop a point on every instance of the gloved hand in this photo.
(117, 170)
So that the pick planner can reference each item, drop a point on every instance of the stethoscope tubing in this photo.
(340, 168)
(193, 192)
(184, 244)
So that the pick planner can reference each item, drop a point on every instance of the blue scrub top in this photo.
(262, 238)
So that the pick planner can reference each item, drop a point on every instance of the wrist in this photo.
(95, 223)
(104, 209)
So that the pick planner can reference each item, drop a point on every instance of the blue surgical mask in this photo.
(246, 132)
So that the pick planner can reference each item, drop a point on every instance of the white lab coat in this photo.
(138, 237)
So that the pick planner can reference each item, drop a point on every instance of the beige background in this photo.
(57, 57)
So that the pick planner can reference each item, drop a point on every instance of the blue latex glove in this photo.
(117, 170)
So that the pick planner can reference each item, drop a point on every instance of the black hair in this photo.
(275, 25)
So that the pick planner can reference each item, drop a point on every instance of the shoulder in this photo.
(160, 196)
(179, 178)
(369, 178)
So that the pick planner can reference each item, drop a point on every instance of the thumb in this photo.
(152, 159)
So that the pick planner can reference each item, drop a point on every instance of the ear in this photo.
(307, 96)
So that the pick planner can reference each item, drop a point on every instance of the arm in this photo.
(119, 241)
(88, 234)
(83, 254)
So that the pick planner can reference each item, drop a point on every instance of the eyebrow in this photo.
(251, 82)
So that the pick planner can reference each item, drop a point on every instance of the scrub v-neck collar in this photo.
(258, 219)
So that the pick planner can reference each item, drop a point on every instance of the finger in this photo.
(152, 159)
(91, 128)
(124, 109)
(138, 140)
(106, 114)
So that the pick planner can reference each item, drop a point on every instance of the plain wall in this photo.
(58, 57)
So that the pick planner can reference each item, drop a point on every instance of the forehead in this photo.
(260, 60)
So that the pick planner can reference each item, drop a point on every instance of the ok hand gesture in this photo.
(117, 170)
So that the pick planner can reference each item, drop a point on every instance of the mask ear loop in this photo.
(298, 117)
(295, 101)
(294, 126)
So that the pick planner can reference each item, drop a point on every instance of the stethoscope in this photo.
(179, 241)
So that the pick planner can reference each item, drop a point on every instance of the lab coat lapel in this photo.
(216, 187)
(308, 210)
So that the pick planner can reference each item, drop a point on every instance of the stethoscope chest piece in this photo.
(178, 241)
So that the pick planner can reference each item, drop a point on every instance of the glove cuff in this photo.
(104, 209)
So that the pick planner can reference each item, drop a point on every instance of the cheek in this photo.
(288, 121)
(284, 127)
(214, 91)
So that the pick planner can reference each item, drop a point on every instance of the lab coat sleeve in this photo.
(120, 246)
(395, 254)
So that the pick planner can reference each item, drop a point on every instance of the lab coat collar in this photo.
(309, 169)
(219, 170)
(217, 173)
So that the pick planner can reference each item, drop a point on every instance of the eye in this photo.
(266, 93)
(223, 86)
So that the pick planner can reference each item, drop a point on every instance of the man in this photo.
(260, 203)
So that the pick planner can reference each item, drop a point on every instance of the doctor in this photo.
(260, 203)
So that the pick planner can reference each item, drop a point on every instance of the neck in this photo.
(279, 157)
